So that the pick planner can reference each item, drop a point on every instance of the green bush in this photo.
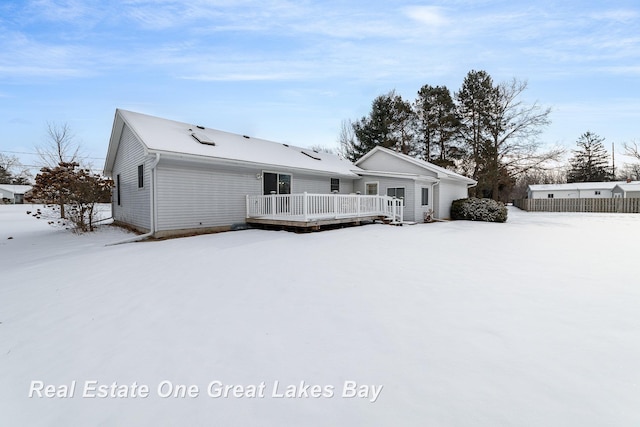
(474, 209)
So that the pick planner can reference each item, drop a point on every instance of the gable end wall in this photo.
(134, 208)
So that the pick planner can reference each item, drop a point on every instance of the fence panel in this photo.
(596, 205)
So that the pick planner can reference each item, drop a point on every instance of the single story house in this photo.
(576, 190)
(174, 178)
(627, 190)
(13, 193)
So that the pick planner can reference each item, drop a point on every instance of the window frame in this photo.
(377, 184)
(118, 195)
(336, 188)
(141, 176)
(278, 182)
(422, 198)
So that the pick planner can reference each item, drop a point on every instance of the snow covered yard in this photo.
(535, 322)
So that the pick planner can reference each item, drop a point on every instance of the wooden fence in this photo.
(604, 205)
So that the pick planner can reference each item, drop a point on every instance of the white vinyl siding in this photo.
(385, 183)
(318, 184)
(134, 206)
(199, 197)
(448, 191)
(208, 195)
(381, 161)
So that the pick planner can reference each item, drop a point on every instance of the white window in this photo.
(550, 196)
(597, 192)
(371, 188)
(425, 196)
(278, 183)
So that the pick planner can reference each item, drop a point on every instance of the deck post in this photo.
(273, 203)
(358, 200)
(335, 205)
(305, 208)
(247, 202)
(393, 202)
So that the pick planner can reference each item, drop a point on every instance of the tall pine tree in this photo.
(390, 124)
(590, 162)
(438, 126)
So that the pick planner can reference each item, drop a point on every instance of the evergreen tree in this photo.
(5, 176)
(438, 126)
(390, 124)
(476, 99)
(590, 162)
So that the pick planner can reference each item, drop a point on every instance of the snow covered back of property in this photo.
(534, 322)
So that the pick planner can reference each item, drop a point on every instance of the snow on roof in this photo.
(168, 136)
(15, 188)
(440, 171)
(576, 186)
(629, 186)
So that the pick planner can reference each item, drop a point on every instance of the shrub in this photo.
(474, 209)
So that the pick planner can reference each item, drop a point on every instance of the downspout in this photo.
(152, 209)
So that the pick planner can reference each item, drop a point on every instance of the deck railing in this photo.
(311, 207)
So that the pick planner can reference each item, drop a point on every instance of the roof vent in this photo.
(286, 145)
(246, 136)
(202, 138)
(200, 127)
(313, 157)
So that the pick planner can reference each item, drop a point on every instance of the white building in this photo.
(13, 194)
(576, 190)
(175, 178)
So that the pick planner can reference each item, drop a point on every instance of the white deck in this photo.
(308, 207)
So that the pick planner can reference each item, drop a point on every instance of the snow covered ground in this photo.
(535, 322)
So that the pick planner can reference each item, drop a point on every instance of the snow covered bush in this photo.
(474, 209)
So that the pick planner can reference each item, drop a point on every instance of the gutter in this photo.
(152, 209)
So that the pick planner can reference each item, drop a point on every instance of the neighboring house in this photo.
(576, 190)
(627, 190)
(423, 185)
(174, 178)
(14, 194)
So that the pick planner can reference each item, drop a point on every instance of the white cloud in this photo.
(432, 16)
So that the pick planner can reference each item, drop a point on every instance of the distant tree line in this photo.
(483, 131)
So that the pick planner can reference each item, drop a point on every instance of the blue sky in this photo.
(291, 71)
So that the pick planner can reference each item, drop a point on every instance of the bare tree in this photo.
(347, 141)
(632, 149)
(60, 146)
(513, 147)
(13, 172)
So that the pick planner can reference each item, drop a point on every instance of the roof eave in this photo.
(220, 160)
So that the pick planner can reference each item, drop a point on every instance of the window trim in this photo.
(377, 183)
(141, 176)
(278, 181)
(119, 200)
(331, 185)
(422, 203)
